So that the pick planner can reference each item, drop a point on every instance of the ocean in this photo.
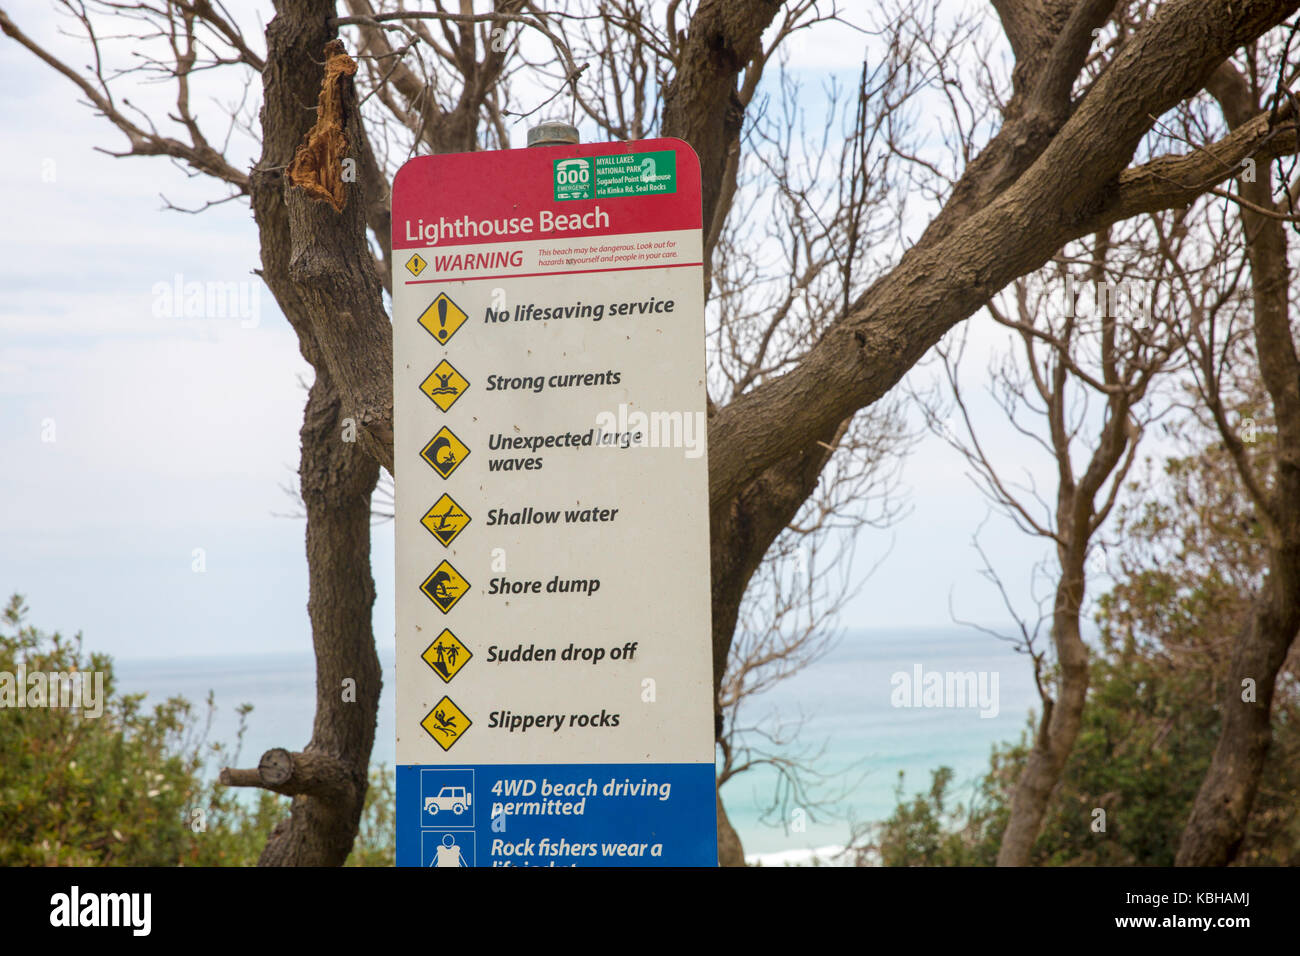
(853, 732)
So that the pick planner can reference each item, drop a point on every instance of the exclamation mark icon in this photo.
(442, 318)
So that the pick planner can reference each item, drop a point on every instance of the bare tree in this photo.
(1058, 167)
(1078, 389)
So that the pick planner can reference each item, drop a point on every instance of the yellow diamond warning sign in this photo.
(442, 318)
(447, 655)
(446, 723)
(444, 452)
(444, 385)
(415, 265)
(444, 587)
(445, 519)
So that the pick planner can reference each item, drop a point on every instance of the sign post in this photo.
(554, 671)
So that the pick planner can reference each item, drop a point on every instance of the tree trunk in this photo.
(1077, 519)
(730, 852)
(316, 262)
(336, 480)
(1217, 825)
(1058, 728)
(701, 103)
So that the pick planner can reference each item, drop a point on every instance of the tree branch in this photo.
(307, 773)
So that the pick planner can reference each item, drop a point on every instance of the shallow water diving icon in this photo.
(446, 723)
(442, 318)
(446, 655)
(444, 587)
(445, 452)
(445, 520)
(444, 385)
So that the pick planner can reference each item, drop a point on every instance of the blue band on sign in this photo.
(556, 815)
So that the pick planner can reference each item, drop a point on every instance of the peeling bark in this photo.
(317, 166)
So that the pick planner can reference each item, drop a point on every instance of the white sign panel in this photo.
(554, 671)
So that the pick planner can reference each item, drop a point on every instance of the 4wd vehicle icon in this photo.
(455, 799)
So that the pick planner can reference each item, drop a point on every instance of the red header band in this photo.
(459, 199)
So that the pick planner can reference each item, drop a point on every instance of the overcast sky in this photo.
(129, 438)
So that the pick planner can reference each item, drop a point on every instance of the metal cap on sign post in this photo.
(553, 133)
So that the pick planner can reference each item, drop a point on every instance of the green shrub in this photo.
(128, 787)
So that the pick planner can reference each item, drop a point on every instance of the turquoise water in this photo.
(843, 700)
(846, 700)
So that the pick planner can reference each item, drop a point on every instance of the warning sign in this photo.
(444, 587)
(444, 385)
(444, 452)
(581, 518)
(445, 519)
(446, 655)
(442, 318)
(446, 723)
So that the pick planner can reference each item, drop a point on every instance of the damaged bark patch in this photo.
(317, 166)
